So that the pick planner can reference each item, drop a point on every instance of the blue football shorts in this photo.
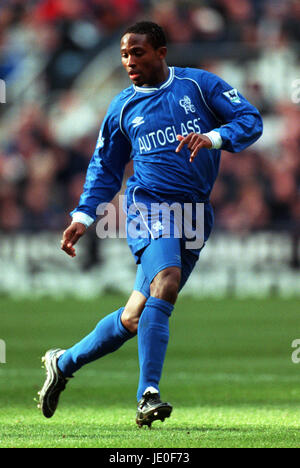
(162, 233)
(162, 253)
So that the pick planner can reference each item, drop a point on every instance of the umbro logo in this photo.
(138, 121)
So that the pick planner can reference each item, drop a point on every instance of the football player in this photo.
(173, 122)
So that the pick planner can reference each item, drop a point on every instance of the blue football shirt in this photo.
(142, 124)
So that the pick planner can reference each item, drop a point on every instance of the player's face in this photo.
(144, 64)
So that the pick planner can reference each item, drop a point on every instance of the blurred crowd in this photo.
(41, 177)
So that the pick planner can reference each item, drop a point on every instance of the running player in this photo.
(173, 123)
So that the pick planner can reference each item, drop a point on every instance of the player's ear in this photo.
(162, 52)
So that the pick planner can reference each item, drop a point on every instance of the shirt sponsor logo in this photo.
(168, 135)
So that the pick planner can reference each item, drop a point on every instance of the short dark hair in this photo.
(155, 33)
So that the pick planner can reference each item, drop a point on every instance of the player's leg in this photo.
(108, 336)
(161, 263)
(136, 303)
(153, 330)
(162, 267)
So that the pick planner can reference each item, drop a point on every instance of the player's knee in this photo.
(130, 321)
(132, 311)
(166, 284)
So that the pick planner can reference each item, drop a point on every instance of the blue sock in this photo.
(108, 336)
(153, 338)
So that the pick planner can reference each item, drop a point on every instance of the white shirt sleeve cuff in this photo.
(215, 139)
(82, 218)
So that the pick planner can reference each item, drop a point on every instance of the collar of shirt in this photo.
(165, 84)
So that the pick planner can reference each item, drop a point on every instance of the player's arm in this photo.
(103, 180)
(70, 237)
(238, 123)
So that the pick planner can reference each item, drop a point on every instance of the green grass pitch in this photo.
(228, 374)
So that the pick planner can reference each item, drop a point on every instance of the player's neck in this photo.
(161, 76)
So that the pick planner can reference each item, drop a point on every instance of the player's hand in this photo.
(194, 142)
(71, 236)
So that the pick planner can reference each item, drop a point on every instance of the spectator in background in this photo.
(40, 168)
